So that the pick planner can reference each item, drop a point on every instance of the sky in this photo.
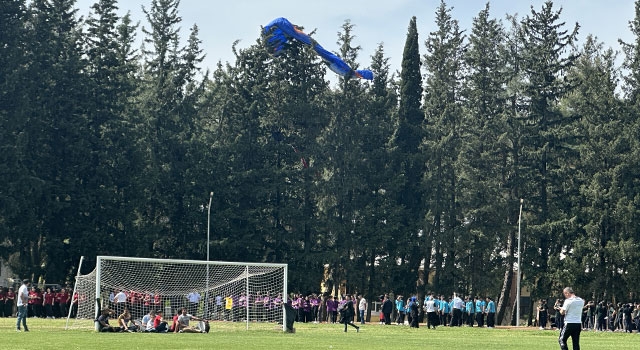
(221, 23)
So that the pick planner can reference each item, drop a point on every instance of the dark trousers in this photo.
(628, 325)
(543, 320)
(480, 319)
(432, 320)
(456, 320)
(570, 330)
(443, 319)
(387, 318)
(400, 319)
(491, 320)
(414, 321)
(348, 321)
(8, 308)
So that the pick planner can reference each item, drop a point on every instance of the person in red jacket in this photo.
(3, 294)
(57, 294)
(63, 299)
(9, 302)
(74, 305)
(31, 309)
(48, 297)
(39, 301)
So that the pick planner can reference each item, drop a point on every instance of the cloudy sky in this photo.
(222, 22)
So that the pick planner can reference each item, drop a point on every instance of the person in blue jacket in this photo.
(400, 307)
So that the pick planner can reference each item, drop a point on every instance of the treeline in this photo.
(408, 183)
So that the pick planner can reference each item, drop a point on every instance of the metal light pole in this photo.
(206, 294)
(209, 226)
(519, 267)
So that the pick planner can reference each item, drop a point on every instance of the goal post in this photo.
(218, 291)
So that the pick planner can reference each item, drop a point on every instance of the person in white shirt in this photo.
(183, 323)
(120, 301)
(23, 299)
(362, 307)
(430, 309)
(147, 321)
(458, 305)
(194, 301)
(572, 311)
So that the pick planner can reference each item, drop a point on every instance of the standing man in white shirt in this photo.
(431, 309)
(194, 301)
(23, 299)
(458, 305)
(362, 307)
(572, 311)
(120, 301)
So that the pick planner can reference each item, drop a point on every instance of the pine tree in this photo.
(342, 189)
(380, 212)
(484, 157)
(54, 154)
(548, 155)
(112, 67)
(14, 101)
(442, 144)
(602, 149)
(169, 111)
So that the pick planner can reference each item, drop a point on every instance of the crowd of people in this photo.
(152, 322)
(433, 310)
(217, 307)
(48, 302)
(596, 316)
(438, 310)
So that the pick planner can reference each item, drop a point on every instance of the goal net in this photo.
(251, 293)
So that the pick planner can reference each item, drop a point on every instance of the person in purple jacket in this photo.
(314, 300)
(306, 309)
(332, 309)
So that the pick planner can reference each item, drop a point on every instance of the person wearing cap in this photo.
(23, 300)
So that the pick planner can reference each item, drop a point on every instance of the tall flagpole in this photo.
(519, 267)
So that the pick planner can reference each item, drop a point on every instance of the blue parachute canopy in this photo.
(280, 32)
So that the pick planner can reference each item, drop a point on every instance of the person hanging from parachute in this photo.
(280, 32)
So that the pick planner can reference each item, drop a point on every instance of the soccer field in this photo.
(47, 334)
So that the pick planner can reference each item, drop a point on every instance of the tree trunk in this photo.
(505, 292)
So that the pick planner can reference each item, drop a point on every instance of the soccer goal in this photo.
(252, 293)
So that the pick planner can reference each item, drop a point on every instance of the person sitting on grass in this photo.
(159, 323)
(124, 322)
(103, 322)
(183, 323)
(148, 321)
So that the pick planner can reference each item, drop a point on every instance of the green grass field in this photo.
(48, 334)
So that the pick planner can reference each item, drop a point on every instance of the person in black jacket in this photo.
(347, 312)
(413, 310)
(387, 309)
